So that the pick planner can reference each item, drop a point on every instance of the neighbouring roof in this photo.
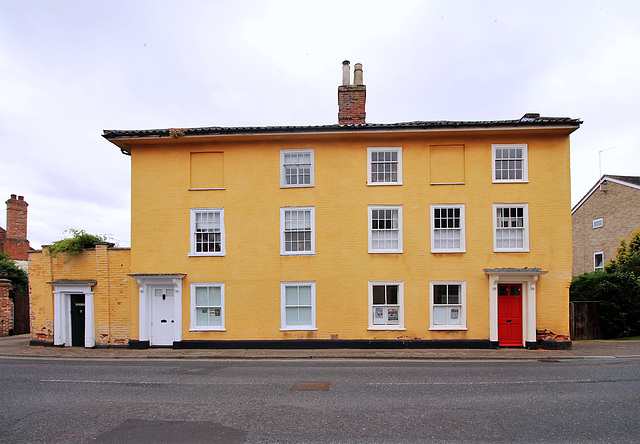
(527, 121)
(628, 181)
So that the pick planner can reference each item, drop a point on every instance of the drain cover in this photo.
(311, 386)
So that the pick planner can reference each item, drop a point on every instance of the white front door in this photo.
(162, 316)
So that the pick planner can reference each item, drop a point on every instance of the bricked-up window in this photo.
(447, 228)
(511, 227)
(386, 305)
(296, 168)
(297, 231)
(448, 305)
(598, 261)
(207, 306)
(510, 163)
(384, 166)
(207, 232)
(298, 301)
(385, 229)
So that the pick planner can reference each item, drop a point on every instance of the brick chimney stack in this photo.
(16, 244)
(351, 98)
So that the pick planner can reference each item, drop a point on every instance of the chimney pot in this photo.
(357, 74)
(13, 197)
(346, 73)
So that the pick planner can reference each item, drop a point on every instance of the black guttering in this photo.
(528, 121)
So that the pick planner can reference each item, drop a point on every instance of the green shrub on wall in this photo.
(78, 241)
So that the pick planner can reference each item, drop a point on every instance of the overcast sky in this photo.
(69, 69)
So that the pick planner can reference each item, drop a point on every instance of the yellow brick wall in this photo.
(108, 266)
(253, 267)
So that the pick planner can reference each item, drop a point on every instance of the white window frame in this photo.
(525, 162)
(400, 304)
(283, 179)
(595, 263)
(525, 228)
(193, 325)
(376, 149)
(397, 208)
(283, 305)
(283, 251)
(597, 223)
(462, 306)
(461, 229)
(193, 251)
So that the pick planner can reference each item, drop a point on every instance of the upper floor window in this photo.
(298, 305)
(510, 163)
(297, 231)
(598, 261)
(207, 306)
(207, 232)
(597, 223)
(448, 311)
(296, 168)
(384, 166)
(511, 227)
(386, 305)
(447, 228)
(385, 229)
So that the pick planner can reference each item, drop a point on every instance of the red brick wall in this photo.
(16, 244)
(351, 103)
(6, 308)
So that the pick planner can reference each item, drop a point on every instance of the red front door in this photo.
(510, 315)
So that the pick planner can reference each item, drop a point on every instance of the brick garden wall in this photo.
(6, 308)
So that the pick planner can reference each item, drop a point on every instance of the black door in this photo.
(77, 320)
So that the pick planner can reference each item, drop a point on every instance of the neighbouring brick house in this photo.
(609, 212)
(14, 309)
(416, 234)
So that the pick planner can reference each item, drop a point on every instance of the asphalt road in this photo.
(350, 401)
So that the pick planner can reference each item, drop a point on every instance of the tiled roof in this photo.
(528, 120)
(630, 179)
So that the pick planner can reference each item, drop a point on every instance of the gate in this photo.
(20, 313)
(583, 320)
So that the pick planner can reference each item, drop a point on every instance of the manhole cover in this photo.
(311, 386)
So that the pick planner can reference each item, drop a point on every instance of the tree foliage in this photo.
(78, 241)
(18, 277)
(617, 288)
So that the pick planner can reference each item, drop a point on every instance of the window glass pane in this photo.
(454, 294)
(392, 294)
(393, 317)
(291, 315)
(215, 320)
(305, 295)
(201, 296)
(378, 295)
(440, 315)
(202, 317)
(215, 299)
(515, 290)
(291, 295)
(454, 316)
(439, 294)
(304, 316)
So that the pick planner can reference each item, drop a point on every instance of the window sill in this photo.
(512, 251)
(201, 330)
(296, 186)
(381, 184)
(384, 252)
(448, 328)
(448, 251)
(205, 189)
(311, 253)
(510, 181)
(447, 183)
(386, 327)
(206, 254)
(299, 328)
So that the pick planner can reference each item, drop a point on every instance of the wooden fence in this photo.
(583, 320)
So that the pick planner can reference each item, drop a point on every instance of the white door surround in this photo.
(528, 277)
(147, 285)
(62, 291)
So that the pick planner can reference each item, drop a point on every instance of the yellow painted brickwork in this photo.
(108, 266)
(253, 268)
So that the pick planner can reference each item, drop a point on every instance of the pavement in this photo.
(18, 347)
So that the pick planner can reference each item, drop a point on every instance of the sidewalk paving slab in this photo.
(18, 347)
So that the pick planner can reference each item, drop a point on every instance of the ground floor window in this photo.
(598, 261)
(448, 305)
(298, 301)
(207, 306)
(386, 300)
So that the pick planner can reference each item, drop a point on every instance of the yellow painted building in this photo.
(340, 235)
